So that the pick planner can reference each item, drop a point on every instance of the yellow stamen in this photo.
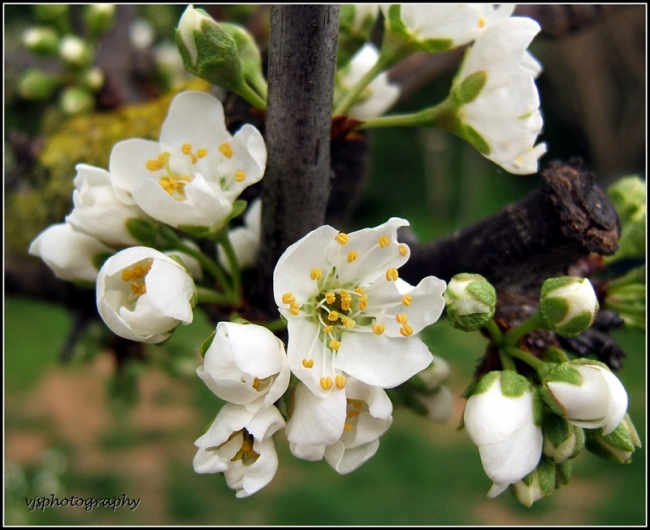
(401, 318)
(352, 256)
(334, 344)
(139, 289)
(240, 176)
(201, 153)
(353, 413)
(316, 274)
(225, 150)
(407, 300)
(288, 298)
(195, 158)
(406, 330)
(154, 165)
(349, 323)
(256, 383)
(378, 329)
(403, 250)
(330, 297)
(294, 308)
(392, 274)
(326, 383)
(186, 149)
(345, 305)
(481, 23)
(340, 381)
(333, 316)
(348, 427)
(342, 239)
(127, 275)
(358, 290)
(308, 363)
(328, 329)
(384, 241)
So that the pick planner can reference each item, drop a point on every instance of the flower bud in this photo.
(42, 40)
(562, 439)
(502, 418)
(628, 196)
(74, 51)
(438, 404)
(249, 53)
(470, 300)
(355, 24)
(36, 85)
(48, 12)
(93, 79)
(535, 485)
(568, 305)
(586, 393)
(616, 446)
(76, 100)
(99, 18)
(207, 50)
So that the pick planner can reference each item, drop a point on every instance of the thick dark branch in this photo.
(295, 188)
(528, 241)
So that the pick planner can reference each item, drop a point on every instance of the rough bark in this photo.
(296, 184)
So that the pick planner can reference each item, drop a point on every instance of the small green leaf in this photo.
(203, 348)
(469, 88)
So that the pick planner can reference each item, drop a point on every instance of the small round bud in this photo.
(44, 41)
(470, 300)
(536, 485)
(616, 446)
(430, 379)
(93, 79)
(36, 85)
(99, 18)
(568, 305)
(562, 439)
(74, 51)
(49, 12)
(76, 100)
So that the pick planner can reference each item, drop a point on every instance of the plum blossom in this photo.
(348, 311)
(193, 175)
(240, 445)
(246, 365)
(343, 427)
(70, 254)
(143, 294)
(502, 420)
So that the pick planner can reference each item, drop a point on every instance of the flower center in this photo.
(246, 453)
(135, 275)
(170, 181)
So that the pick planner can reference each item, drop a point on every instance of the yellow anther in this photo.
(240, 176)
(330, 297)
(334, 344)
(308, 363)
(288, 298)
(128, 275)
(349, 323)
(201, 153)
(155, 165)
(162, 157)
(392, 274)
(294, 308)
(256, 383)
(406, 330)
(407, 300)
(401, 318)
(357, 404)
(342, 239)
(344, 293)
(378, 329)
(316, 274)
(225, 150)
(195, 158)
(348, 427)
(353, 413)
(340, 381)
(481, 23)
(519, 159)
(333, 316)
(326, 383)
(139, 289)
(403, 250)
(384, 241)
(358, 290)
(328, 329)
(186, 149)
(363, 302)
(345, 305)
(352, 256)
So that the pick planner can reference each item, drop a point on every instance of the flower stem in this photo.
(506, 361)
(209, 296)
(209, 265)
(494, 331)
(438, 116)
(535, 322)
(251, 96)
(526, 357)
(349, 99)
(275, 325)
(235, 272)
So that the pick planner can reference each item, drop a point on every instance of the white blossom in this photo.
(240, 445)
(501, 420)
(245, 239)
(348, 311)
(246, 365)
(143, 294)
(70, 254)
(193, 175)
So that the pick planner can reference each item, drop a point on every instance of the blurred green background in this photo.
(66, 433)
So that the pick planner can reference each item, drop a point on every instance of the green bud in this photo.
(469, 89)
(562, 439)
(99, 18)
(74, 51)
(568, 305)
(208, 51)
(536, 485)
(249, 54)
(470, 301)
(76, 100)
(618, 445)
(41, 40)
(627, 195)
(93, 79)
(355, 24)
(49, 12)
(430, 379)
(36, 85)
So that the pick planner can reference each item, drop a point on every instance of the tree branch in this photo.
(295, 188)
